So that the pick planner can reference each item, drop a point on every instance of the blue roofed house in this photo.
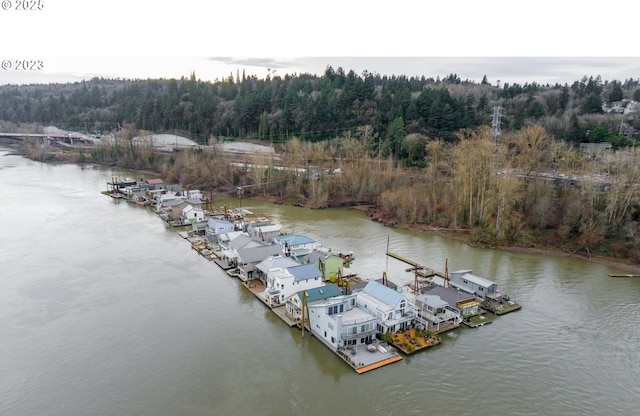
(296, 245)
(392, 309)
(282, 283)
(312, 296)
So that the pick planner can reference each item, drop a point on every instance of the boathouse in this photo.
(479, 286)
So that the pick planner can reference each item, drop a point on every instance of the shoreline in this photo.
(369, 210)
(460, 235)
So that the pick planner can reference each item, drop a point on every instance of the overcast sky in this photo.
(545, 42)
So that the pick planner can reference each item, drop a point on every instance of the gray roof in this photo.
(215, 221)
(243, 240)
(173, 202)
(304, 272)
(275, 261)
(257, 254)
(269, 228)
(294, 239)
(432, 300)
(480, 281)
(449, 294)
(382, 293)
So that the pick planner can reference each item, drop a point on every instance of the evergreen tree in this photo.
(592, 104)
(616, 92)
(395, 135)
(535, 110)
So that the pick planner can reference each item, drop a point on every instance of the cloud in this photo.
(255, 62)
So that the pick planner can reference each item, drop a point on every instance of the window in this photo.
(330, 325)
(481, 289)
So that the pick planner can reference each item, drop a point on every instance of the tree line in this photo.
(319, 107)
(421, 151)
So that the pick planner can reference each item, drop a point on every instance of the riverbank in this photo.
(460, 234)
(464, 235)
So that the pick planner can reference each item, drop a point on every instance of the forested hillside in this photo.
(421, 152)
(314, 108)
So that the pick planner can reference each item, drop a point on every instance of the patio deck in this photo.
(362, 360)
(411, 341)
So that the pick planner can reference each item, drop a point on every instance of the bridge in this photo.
(61, 139)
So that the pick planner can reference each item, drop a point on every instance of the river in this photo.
(105, 310)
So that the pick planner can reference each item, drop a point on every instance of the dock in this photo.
(500, 307)
(623, 275)
(423, 271)
(478, 320)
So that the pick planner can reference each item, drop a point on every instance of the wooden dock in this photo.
(378, 364)
(423, 271)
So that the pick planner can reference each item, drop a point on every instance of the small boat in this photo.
(623, 275)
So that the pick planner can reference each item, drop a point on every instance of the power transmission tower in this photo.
(496, 122)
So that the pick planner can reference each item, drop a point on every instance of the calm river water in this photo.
(104, 310)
